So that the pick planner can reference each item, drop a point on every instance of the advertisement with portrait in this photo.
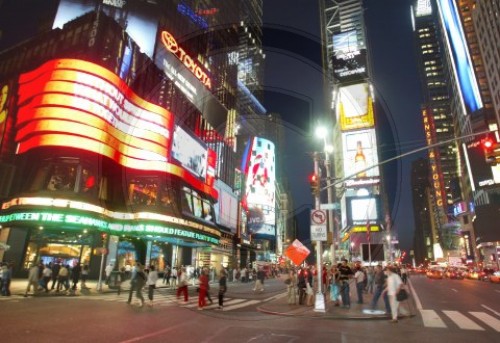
(360, 152)
(259, 197)
(355, 107)
(190, 152)
(363, 210)
(7, 100)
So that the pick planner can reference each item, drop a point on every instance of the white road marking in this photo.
(462, 321)
(490, 309)
(496, 290)
(415, 296)
(248, 303)
(453, 289)
(431, 319)
(276, 297)
(486, 318)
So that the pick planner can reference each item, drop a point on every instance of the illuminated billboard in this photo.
(226, 208)
(259, 198)
(349, 58)
(355, 107)
(7, 101)
(363, 210)
(360, 152)
(190, 152)
(81, 105)
(460, 58)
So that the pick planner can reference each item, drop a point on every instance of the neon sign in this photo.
(195, 18)
(111, 227)
(78, 104)
(171, 45)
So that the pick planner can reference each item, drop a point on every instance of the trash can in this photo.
(115, 279)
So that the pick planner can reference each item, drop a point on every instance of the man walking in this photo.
(32, 280)
(345, 273)
(379, 282)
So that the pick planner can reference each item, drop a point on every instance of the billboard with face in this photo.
(259, 197)
(360, 152)
(190, 152)
(355, 107)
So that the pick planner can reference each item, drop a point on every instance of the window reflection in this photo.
(143, 191)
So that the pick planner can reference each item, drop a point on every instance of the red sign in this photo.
(297, 252)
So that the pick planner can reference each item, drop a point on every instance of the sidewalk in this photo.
(280, 307)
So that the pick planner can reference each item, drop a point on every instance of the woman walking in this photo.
(203, 289)
(182, 285)
(222, 288)
(292, 287)
(152, 278)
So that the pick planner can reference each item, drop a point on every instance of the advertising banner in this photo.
(360, 152)
(355, 107)
(297, 252)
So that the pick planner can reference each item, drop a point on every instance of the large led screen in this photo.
(462, 63)
(259, 197)
(226, 208)
(349, 58)
(190, 152)
(363, 210)
(354, 107)
(360, 153)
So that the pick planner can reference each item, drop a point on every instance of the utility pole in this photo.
(319, 303)
(331, 200)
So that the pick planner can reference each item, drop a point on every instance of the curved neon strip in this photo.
(78, 205)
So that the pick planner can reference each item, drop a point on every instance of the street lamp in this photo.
(322, 132)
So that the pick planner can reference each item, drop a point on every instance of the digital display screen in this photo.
(190, 152)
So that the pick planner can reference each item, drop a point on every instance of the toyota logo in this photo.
(169, 41)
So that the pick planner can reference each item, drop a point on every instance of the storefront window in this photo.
(143, 191)
(30, 257)
(168, 199)
(127, 254)
(187, 201)
(193, 204)
(88, 182)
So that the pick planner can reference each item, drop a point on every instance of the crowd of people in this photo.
(336, 284)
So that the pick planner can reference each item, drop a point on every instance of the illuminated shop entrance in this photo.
(58, 246)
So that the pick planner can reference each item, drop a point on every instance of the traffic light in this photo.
(314, 182)
(104, 237)
(490, 147)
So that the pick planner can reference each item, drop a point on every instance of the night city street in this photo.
(250, 171)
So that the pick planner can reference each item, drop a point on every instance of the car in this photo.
(484, 274)
(495, 277)
(454, 273)
(473, 274)
(435, 273)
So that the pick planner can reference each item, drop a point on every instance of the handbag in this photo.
(401, 295)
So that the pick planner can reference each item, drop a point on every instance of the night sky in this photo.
(293, 88)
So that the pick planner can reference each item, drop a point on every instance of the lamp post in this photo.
(321, 132)
(319, 303)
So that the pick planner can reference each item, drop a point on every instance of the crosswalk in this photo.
(168, 299)
(473, 321)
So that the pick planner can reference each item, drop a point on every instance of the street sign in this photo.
(394, 242)
(318, 217)
(319, 233)
(333, 206)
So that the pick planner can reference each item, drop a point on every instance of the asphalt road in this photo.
(107, 318)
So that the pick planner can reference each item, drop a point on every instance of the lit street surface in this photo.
(458, 306)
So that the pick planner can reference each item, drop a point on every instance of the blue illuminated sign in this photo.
(462, 64)
(195, 18)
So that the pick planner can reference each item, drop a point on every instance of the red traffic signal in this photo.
(314, 182)
(487, 143)
(490, 148)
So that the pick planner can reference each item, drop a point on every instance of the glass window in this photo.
(168, 199)
(186, 201)
(61, 177)
(143, 191)
(197, 205)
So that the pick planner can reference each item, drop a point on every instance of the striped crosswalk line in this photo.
(489, 320)
(431, 319)
(462, 321)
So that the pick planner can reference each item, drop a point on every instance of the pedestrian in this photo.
(334, 285)
(166, 275)
(243, 274)
(394, 284)
(32, 280)
(107, 271)
(345, 274)
(259, 282)
(128, 271)
(152, 278)
(235, 274)
(62, 278)
(203, 285)
(140, 281)
(85, 275)
(301, 285)
(55, 272)
(379, 280)
(222, 288)
(119, 279)
(369, 282)
(6, 278)
(291, 282)
(46, 275)
(404, 274)
(175, 275)
(75, 275)
(133, 281)
(182, 287)
(359, 277)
